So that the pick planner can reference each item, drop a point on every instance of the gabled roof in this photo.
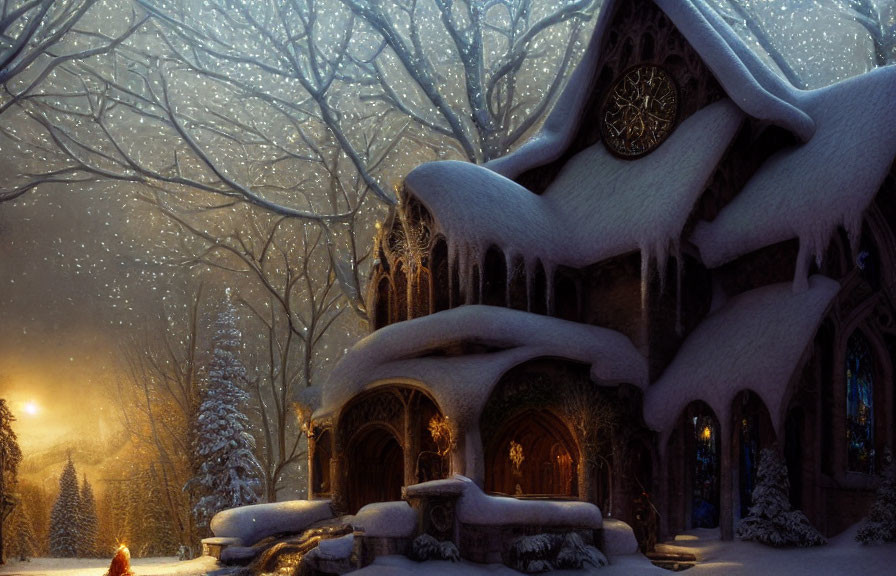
(756, 90)
(805, 191)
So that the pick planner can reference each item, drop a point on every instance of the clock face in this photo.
(639, 111)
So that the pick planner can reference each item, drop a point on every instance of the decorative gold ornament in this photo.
(639, 111)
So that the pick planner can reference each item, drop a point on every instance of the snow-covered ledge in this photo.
(246, 525)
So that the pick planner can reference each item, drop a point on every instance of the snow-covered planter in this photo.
(771, 520)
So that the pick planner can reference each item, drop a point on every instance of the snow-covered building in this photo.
(691, 261)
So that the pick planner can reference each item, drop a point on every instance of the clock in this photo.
(639, 111)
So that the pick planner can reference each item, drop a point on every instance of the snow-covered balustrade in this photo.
(489, 525)
(753, 342)
(250, 524)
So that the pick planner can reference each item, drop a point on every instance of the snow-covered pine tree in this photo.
(65, 522)
(228, 470)
(880, 525)
(10, 457)
(771, 519)
(89, 524)
(22, 543)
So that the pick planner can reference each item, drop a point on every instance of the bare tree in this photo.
(878, 19)
(764, 22)
(494, 49)
(37, 36)
(286, 281)
(158, 403)
(282, 78)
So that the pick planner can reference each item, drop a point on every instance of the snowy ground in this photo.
(98, 566)
(843, 555)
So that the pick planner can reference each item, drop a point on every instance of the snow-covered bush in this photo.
(545, 552)
(426, 547)
(532, 554)
(771, 519)
(880, 526)
(574, 553)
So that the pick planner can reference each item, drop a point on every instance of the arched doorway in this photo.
(533, 454)
(705, 458)
(384, 440)
(377, 452)
(752, 431)
(694, 464)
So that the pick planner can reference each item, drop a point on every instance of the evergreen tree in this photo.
(65, 520)
(771, 519)
(89, 524)
(22, 543)
(10, 457)
(881, 523)
(228, 473)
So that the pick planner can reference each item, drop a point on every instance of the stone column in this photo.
(337, 483)
(726, 501)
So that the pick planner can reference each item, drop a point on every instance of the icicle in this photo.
(549, 270)
(679, 271)
(645, 270)
(481, 264)
(662, 259)
(530, 282)
(511, 273)
(801, 274)
(853, 224)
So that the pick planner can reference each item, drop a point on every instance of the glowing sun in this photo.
(31, 408)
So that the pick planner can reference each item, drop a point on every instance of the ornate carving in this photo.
(639, 111)
(379, 406)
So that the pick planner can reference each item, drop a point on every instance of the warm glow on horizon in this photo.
(31, 408)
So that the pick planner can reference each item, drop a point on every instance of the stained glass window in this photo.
(859, 405)
(706, 490)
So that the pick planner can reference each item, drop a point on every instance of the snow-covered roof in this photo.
(599, 206)
(806, 191)
(757, 90)
(848, 132)
(461, 385)
(754, 341)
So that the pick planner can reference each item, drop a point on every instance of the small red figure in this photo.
(121, 563)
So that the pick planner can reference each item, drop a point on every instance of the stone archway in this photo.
(751, 431)
(376, 467)
(533, 454)
(383, 441)
(530, 447)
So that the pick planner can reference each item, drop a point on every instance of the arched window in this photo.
(859, 405)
